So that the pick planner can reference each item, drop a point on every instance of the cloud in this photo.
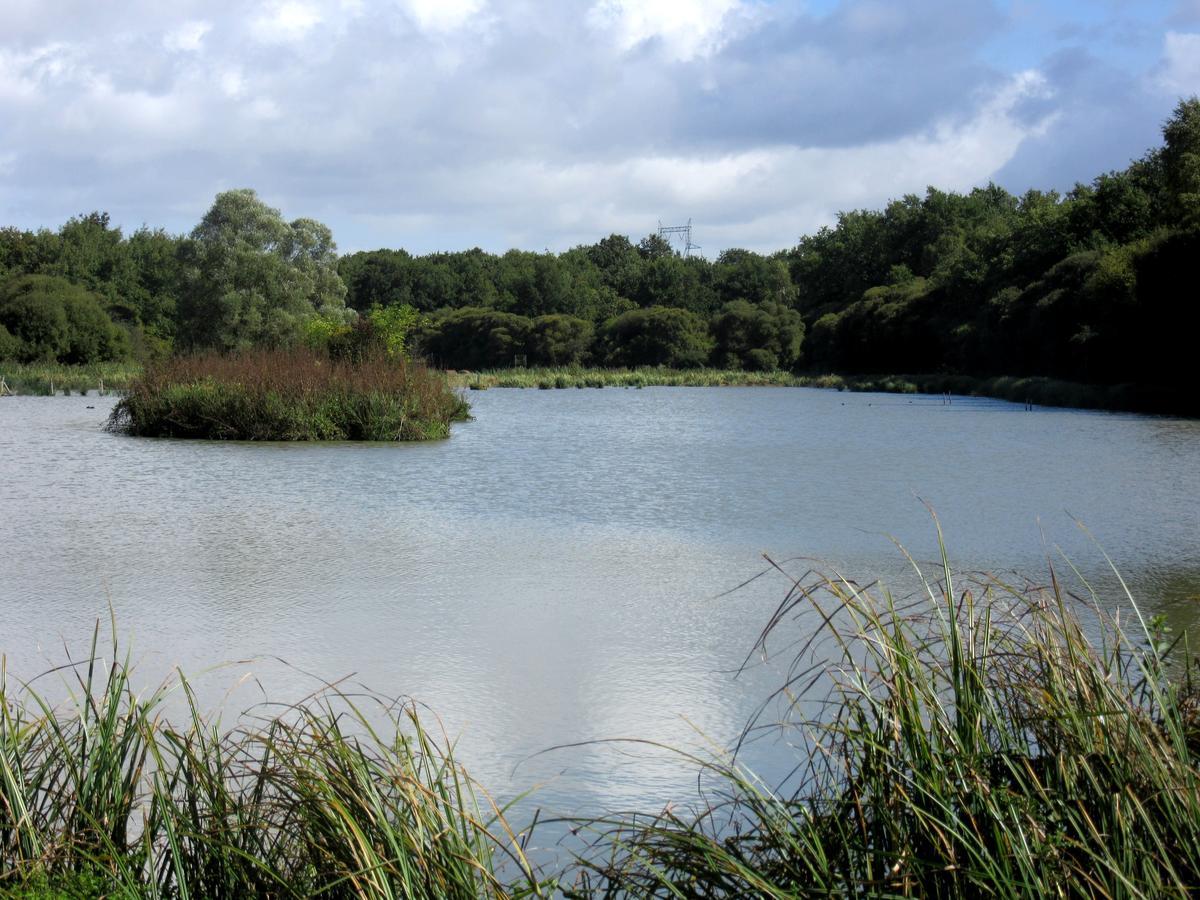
(543, 124)
(1181, 71)
(443, 15)
(684, 28)
(286, 21)
(187, 37)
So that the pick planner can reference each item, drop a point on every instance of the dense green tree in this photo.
(473, 338)
(765, 335)
(1181, 160)
(559, 340)
(57, 321)
(377, 278)
(250, 278)
(657, 336)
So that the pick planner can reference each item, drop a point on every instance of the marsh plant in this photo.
(980, 737)
(973, 740)
(340, 796)
(289, 395)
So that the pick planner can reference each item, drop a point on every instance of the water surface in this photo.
(550, 575)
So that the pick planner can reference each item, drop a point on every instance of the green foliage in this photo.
(559, 340)
(10, 346)
(473, 338)
(759, 337)
(56, 321)
(393, 324)
(657, 336)
(252, 279)
(1181, 160)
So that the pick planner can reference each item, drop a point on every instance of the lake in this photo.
(553, 574)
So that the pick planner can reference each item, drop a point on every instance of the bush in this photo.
(559, 340)
(751, 336)
(56, 321)
(10, 347)
(657, 336)
(474, 338)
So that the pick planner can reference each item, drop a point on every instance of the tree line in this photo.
(1092, 285)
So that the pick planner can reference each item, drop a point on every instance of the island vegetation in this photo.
(1086, 288)
(974, 739)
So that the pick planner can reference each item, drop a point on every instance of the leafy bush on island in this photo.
(289, 395)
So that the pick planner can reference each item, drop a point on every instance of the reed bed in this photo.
(1035, 390)
(289, 395)
(340, 796)
(45, 379)
(972, 741)
(578, 377)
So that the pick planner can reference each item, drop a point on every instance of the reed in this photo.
(972, 741)
(340, 796)
(289, 395)
(578, 377)
(43, 379)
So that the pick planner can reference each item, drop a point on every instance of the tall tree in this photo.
(250, 278)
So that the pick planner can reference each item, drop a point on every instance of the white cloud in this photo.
(687, 28)
(284, 22)
(188, 37)
(443, 15)
(1181, 74)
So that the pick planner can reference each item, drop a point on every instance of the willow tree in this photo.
(252, 279)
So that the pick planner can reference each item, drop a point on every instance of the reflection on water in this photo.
(550, 574)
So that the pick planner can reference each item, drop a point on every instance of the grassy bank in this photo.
(1036, 390)
(293, 395)
(576, 377)
(43, 379)
(40, 379)
(973, 739)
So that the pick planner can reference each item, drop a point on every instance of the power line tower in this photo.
(680, 233)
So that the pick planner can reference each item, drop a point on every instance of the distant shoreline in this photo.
(38, 379)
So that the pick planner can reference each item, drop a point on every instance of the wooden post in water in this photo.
(5, 390)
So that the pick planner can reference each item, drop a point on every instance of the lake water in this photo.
(551, 574)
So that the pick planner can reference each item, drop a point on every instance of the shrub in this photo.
(56, 321)
(657, 336)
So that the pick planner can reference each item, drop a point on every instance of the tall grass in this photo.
(1032, 389)
(973, 741)
(340, 796)
(289, 395)
(976, 738)
(46, 378)
(649, 376)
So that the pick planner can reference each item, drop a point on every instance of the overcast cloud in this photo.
(446, 124)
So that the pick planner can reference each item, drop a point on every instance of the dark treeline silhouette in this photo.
(1091, 286)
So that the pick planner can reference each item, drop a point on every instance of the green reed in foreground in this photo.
(971, 742)
(289, 395)
(102, 796)
(974, 739)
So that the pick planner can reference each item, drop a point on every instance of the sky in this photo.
(543, 124)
